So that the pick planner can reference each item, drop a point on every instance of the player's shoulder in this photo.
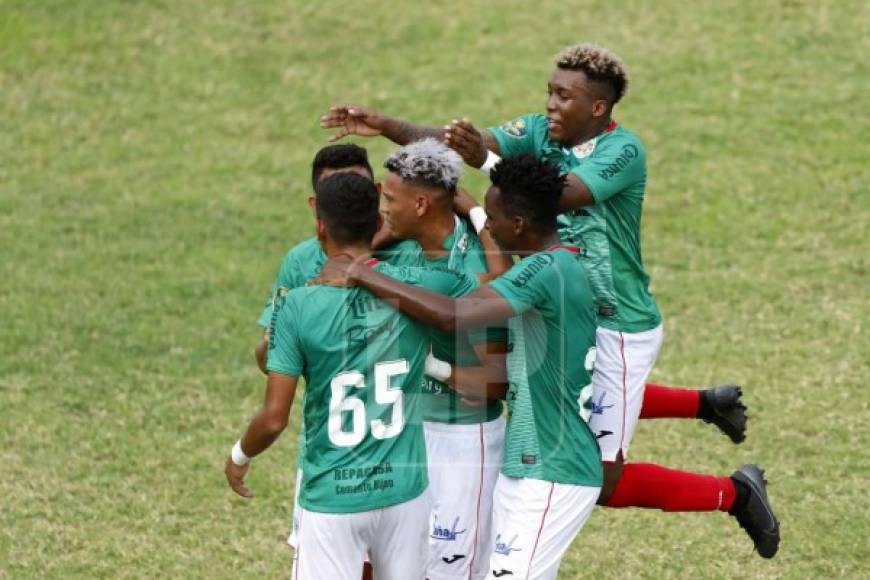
(520, 127)
(304, 249)
(435, 278)
(621, 138)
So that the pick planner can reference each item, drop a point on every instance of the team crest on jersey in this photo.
(516, 128)
(584, 150)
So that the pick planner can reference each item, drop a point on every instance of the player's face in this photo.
(399, 206)
(571, 106)
(500, 225)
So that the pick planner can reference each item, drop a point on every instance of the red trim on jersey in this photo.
(611, 126)
(572, 249)
(479, 494)
(371, 262)
(540, 529)
(624, 391)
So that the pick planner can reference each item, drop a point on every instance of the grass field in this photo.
(153, 171)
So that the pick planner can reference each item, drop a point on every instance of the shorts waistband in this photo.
(464, 430)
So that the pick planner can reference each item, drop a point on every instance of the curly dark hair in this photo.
(530, 188)
(348, 203)
(339, 157)
(598, 64)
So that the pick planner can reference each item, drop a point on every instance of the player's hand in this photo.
(352, 120)
(236, 478)
(464, 138)
(337, 271)
(463, 202)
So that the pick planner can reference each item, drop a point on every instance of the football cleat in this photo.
(756, 516)
(728, 411)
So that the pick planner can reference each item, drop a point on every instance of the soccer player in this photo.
(551, 473)
(364, 465)
(464, 436)
(303, 261)
(601, 205)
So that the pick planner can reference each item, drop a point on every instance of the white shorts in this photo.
(464, 461)
(291, 539)
(535, 522)
(623, 362)
(335, 545)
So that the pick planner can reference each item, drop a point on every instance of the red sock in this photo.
(653, 486)
(660, 401)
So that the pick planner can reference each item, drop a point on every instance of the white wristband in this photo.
(477, 215)
(238, 456)
(438, 369)
(491, 160)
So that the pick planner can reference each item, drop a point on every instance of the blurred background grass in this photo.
(154, 163)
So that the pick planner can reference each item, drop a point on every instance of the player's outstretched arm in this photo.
(472, 145)
(263, 430)
(487, 381)
(497, 263)
(365, 122)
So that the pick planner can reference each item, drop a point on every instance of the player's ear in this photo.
(421, 206)
(311, 201)
(599, 107)
(320, 226)
(520, 224)
(379, 186)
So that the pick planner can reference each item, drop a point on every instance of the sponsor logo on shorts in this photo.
(603, 434)
(446, 534)
(505, 548)
(629, 152)
(452, 559)
(599, 407)
(501, 573)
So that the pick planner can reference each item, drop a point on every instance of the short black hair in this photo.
(530, 188)
(339, 157)
(348, 204)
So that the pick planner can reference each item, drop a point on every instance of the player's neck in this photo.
(595, 129)
(354, 251)
(434, 232)
(541, 242)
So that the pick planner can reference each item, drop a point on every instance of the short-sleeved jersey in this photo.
(465, 255)
(613, 167)
(552, 349)
(363, 364)
(302, 263)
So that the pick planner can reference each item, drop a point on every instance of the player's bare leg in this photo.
(722, 406)
(742, 495)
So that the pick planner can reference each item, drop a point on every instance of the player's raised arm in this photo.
(473, 145)
(366, 122)
(497, 262)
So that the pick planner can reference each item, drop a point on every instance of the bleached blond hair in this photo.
(598, 64)
(428, 161)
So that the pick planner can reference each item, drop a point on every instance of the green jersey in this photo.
(552, 350)
(464, 255)
(613, 167)
(302, 263)
(363, 364)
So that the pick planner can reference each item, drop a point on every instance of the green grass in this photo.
(153, 170)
